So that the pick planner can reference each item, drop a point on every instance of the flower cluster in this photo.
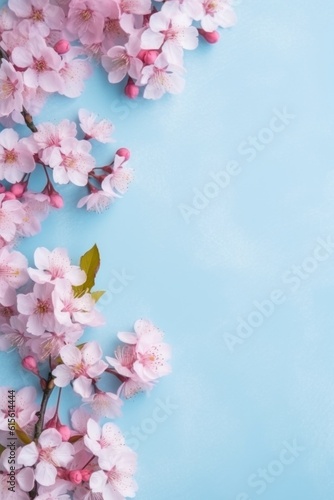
(43, 313)
(138, 41)
(63, 157)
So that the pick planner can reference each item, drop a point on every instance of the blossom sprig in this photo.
(138, 42)
(44, 311)
(58, 153)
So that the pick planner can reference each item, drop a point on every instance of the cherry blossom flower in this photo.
(69, 309)
(98, 200)
(83, 365)
(54, 265)
(49, 137)
(86, 20)
(172, 32)
(13, 273)
(39, 15)
(73, 73)
(100, 131)
(98, 439)
(11, 89)
(15, 157)
(36, 207)
(15, 334)
(120, 61)
(73, 163)
(115, 479)
(120, 177)
(25, 407)
(49, 453)
(41, 63)
(105, 404)
(38, 306)
(57, 491)
(161, 77)
(140, 7)
(24, 481)
(217, 13)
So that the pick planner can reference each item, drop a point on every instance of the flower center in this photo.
(10, 156)
(211, 7)
(86, 14)
(112, 26)
(69, 162)
(40, 65)
(7, 89)
(8, 272)
(42, 307)
(37, 15)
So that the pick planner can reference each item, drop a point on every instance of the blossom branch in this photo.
(47, 391)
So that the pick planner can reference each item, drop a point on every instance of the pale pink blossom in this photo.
(86, 20)
(13, 273)
(98, 130)
(105, 404)
(115, 480)
(24, 482)
(73, 162)
(25, 407)
(49, 137)
(81, 365)
(73, 73)
(39, 16)
(14, 334)
(38, 306)
(97, 438)
(49, 453)
(161, 77)
(69, 309)
(41, 64)
(15, 157)
(11, 89)
(57, 491)
(120, 177)
(140, 7)
(121, 61)
(55, 264)
(171, 32)
(36, 207)
(99, 200)
(217, 13)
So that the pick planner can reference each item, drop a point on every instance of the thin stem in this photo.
(41, 413)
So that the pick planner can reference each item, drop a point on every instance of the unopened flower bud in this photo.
(29, 363)
(64, 431)
(124, 152)
(150, 56)
(18, 189)
(56, 200)
(209, 36)
(75, 476)
(131, 90)
(62, 46)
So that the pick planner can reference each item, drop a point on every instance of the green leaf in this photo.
(90, 263)
(22, 435)
(97, 295)
(2, 448)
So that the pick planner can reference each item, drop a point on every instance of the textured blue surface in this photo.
(237, 402)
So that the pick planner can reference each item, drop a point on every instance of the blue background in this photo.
(233, 409)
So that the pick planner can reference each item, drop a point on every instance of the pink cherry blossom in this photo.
(49, 453)
(121, 61)
(105, 404)
(82, 365)
(99, 200)
(38, 306)
(11, 89)
(49, 137)
(72, 163)
(171, 32)
(15, 157)
(69, 309)
(36, 207)
(120, 177)
(13, 273)
(161, 77)
(41, 64)
(86, 20)
(217, 13)
(39, 16)
(109, 437)
(115, 479)
(101, 131)
(24, 482)
(140, 7)
(25, 407)
(14, 334)
(73, 73)
(54, 265)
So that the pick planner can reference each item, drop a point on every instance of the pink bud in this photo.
(75, 476)
(209, 36)
(29, 363)
(9, 196)
(64, 431)
(2, 188)
(123, 152)
(62, 46)
(131, 90)
(56, 200)
(141, 54)
(18, 189)
(150, 56)
(85, 474)
(52, 423)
